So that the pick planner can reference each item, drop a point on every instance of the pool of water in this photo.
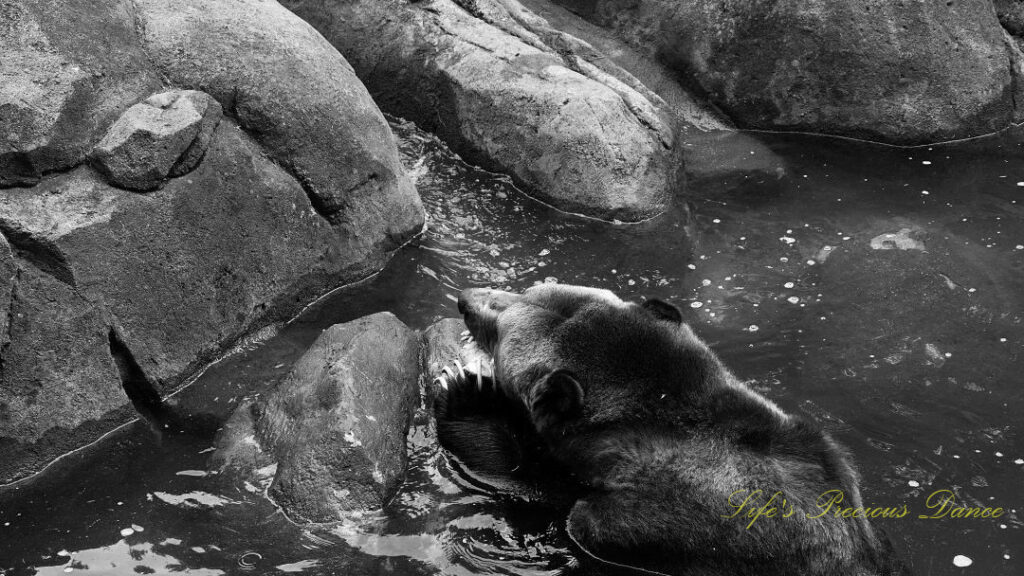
(877, 291)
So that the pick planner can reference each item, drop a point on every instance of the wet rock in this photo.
(899, 72)
(116, 297)
(723, 157)
(181, 274)
(165, 135)
(335, 427)
(512, 94)
(300, 100)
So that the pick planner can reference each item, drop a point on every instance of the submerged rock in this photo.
(904, 239)
(165, 135)
(899, 72)
(508, 92)
(333, 432)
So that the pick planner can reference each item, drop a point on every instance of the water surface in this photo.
(877, 291)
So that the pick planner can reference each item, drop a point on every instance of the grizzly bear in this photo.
(674, 465)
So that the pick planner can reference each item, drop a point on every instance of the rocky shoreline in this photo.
(175, 177)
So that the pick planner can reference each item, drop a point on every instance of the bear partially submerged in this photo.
(663, 449)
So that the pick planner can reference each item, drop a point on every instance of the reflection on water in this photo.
(876, 291)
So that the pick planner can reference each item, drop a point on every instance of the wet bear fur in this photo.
(624, 405)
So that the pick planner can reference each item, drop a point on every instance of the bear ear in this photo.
(663, 310)
(556, 398)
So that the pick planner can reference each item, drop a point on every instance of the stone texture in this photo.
(165, 135)
(335, 427)
(510, 93)
(180, 274)
(68, 70)
(898, 72)
(299, 98)
(113, 297)
(1011, 15)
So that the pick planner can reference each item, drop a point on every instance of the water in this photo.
(875, 290)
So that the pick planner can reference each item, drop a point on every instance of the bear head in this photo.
(582, 358)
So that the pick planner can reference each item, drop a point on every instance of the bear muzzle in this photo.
(480, 308)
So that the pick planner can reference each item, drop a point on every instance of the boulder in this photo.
(897, 72)
(292, 91)
(169, 280)
(725, 159)
(510, 93)
(117, 298)
(333, 432)
(165, 135)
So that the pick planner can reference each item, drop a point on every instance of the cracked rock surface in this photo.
(510, 93)
(296, 190)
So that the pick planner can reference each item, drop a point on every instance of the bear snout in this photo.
(484, 301)
(480, 308)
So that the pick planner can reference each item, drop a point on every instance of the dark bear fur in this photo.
(628, 407)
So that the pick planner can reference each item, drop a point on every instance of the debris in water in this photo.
(913, 483)
(793, 299)
(127, 532)
(961, 561)
(934, 355)
(788, 285)
(753, 328)
(696, 304)
(897, 241)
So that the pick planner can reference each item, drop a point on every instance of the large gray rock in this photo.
(512, 94)
(165, 135)
(114, 296)
(299, 98)
(332, 434)
(899, 72)
(175, 276)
